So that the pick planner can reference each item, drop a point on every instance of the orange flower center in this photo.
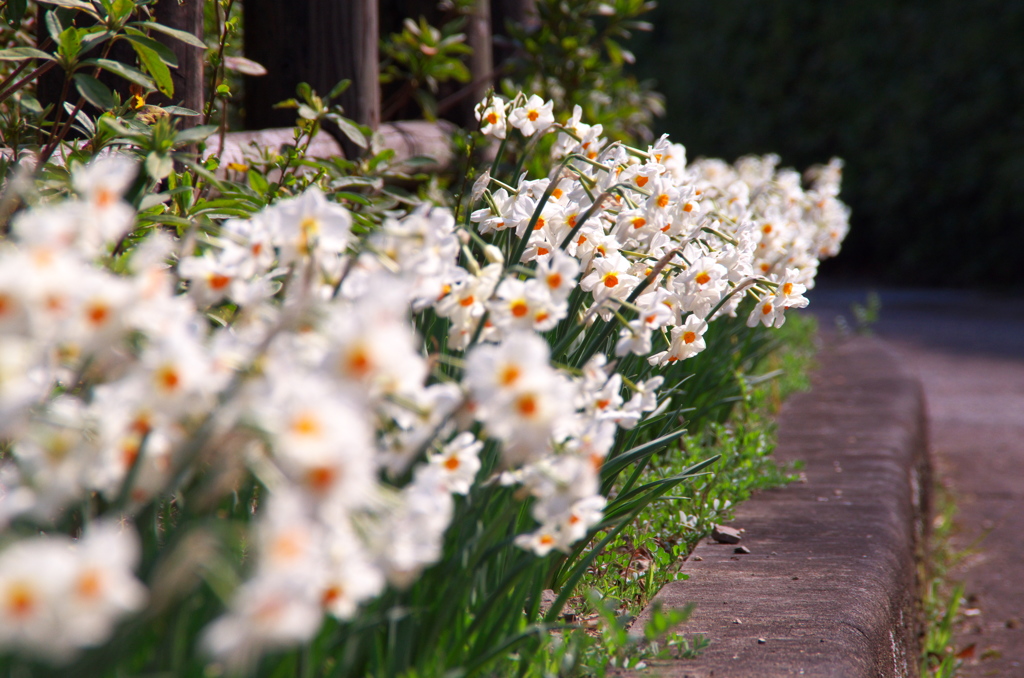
(519, 308)
(105, 198)
(21, 600)
(611, 280)
(509, 375)
(89, 585)
(526, 405)
(451, 463)
(97, 313)
(641, 181)
(689, 337)
(219, 282)
(532, 115)
(357, 362)
(306, 424)
(554, 280)
(167, 378)
(703, 278)
(662, 200)
(320, 478)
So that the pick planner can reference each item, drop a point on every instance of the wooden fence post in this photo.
(186, 15)
(481, 62)
(319, 42)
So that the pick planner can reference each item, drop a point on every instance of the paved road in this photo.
(968, 349)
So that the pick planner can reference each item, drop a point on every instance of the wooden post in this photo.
(185, 15)
(320, 42)
(481, 62)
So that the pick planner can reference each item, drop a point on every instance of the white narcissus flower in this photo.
(103, 586)
(687, 341)
(490, 113)
(266, 613)
(321, 439)
(308, 223)
(105, 216)
(533, 116)
(352, 576)
(768, 313)
(34, 577)
(558, 273)
(459, 462)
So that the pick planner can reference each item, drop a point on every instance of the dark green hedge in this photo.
(924, 99)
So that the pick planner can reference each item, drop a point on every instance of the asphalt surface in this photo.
(967, 348)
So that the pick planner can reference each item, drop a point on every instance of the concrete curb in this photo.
(829, 585)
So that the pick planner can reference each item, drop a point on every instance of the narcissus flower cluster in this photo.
(282, 348)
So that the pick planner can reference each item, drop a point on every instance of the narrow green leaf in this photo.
(156, 67)
(195, 134)
(178, 110)
(163, 51)
(183, 36)
(23, 53)
(339, 89)
(127, 72)
(53, 24)
(612, 466)
(74, 4)
(95, 92)
(349, 129)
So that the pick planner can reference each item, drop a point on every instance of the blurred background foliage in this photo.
(922, 98)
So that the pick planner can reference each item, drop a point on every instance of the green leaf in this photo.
(162, 50)
(127, 72)
(69, 43)
(159, 165)
(94, 91)
(258, 182)
(178, 110)
(195, 134)
(614, 52)
(183, 36)
(350, 130)
(339, 89)
(612, 466)
(74, 4)
(14, 11)
(22, 53)
(53, 24)
(156, 67)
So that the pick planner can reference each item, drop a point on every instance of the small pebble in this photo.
(697, 558)
(741, 549)
(725, 535)
(736, 621)
(761, 641)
